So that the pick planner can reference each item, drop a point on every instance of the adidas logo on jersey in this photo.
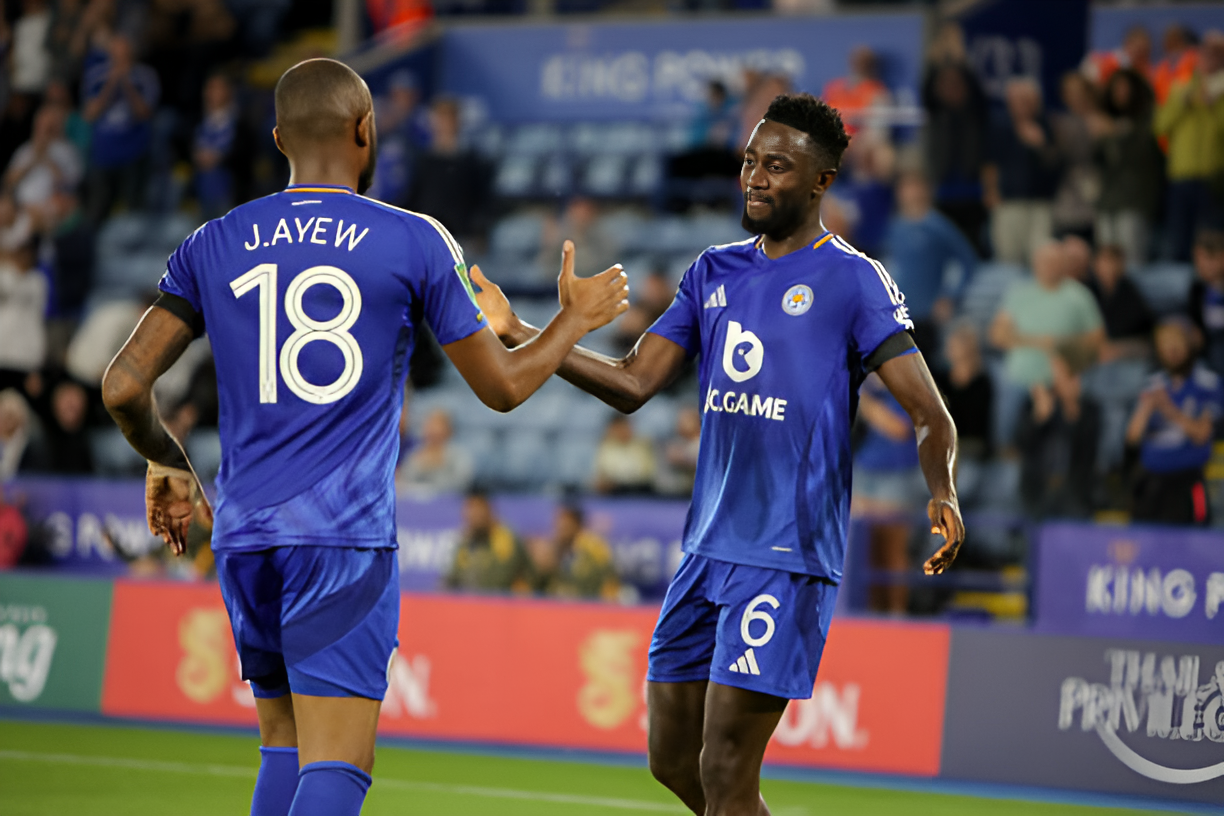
(717, 299)
(746, 664)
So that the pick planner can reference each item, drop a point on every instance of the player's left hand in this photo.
(946, 521)
(494, 304)
(172, 498)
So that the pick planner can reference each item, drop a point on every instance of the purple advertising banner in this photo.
(1120, 716)
(1137, 582)
(96, 526)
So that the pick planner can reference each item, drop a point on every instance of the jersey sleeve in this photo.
(881, 313)
(681, 322)
(446, 292)
(180, 277)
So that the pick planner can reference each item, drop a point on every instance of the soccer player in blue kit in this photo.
(787, 325)
(311, 298)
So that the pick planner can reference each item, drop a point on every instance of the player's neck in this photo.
(323, 173)
(775, 247)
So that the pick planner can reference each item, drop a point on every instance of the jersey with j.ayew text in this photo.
(311, 299)
(784, 345)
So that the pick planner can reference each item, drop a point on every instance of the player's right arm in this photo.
(626, 383)
(504, 378)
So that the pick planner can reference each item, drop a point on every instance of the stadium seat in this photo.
(1166, 286)
(575, 458)
(204, 449)
(536, 139)
(517, 235)
(528, 460)
(657, 418)
(604, 176)
(645, 176)
(557, 177)
(112, 455)
(515, 176)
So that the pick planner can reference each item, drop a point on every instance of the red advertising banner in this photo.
(538, 673)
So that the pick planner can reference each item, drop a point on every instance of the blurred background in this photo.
(1044, 179)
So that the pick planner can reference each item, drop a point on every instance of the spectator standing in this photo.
(1135, 53)
(16, 225)
(679, 467)
(1131, 167)
(489, 556)
(72, 256)
(969, 393)
(956, 133)
(120, 97)
(76, 129)
(859, 96)
(1180, 60)
(449, 181)
(1034, 316)
(44, 164)
(67, 438)
(1206, 301)
(1021, 175)
(436, 463)
(31, 61)
(759, 90)
(1080, 185)
(401, 137)
(1192, 119)
(212, 145)
(1058, 435)
(888, 488)
(1077, 253)
(1127, 316)
(624, 462)
(1172, 427)
(23, 306)
(921, 242)
(573, 562)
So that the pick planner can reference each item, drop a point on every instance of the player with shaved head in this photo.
(312, 298)
(787, 324)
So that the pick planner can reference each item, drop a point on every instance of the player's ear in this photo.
(824, 179)
(364, 127)
(276, 137)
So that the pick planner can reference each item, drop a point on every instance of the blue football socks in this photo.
(330, 789)
(277, 782)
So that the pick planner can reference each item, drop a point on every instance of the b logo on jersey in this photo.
(798, 299)
(753, 356)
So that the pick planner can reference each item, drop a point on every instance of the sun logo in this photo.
(798, 299)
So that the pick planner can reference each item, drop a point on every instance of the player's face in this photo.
(780, 179)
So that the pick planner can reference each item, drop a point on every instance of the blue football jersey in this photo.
(783, 344)
(311, 299)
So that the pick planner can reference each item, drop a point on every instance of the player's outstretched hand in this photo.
(493, 304)
(172, 498)
(946, 521)
(595, 301)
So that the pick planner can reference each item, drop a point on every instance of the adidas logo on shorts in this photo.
(746, 664)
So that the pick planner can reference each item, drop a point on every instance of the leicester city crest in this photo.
(798, 300)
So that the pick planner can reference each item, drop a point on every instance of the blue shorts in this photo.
(750, 627)
(321, 621)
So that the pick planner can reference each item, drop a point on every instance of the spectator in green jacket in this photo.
(490, 557)
(1192, 119)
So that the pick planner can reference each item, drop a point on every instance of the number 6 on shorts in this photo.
(752, 613)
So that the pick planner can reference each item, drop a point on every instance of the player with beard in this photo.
(787, 324)
(311, 298)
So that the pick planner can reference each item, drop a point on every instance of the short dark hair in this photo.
(1209, 240)
(817, 119)
(318, 100)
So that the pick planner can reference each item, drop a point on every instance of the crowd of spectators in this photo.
(114, 107)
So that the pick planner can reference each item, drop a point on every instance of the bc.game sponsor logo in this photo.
(1149, 696)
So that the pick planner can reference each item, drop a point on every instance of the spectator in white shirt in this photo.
(45, 163)
(23, 306)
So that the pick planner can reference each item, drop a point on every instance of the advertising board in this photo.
(1111, 715)
(1156, 583)
(52, 641)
